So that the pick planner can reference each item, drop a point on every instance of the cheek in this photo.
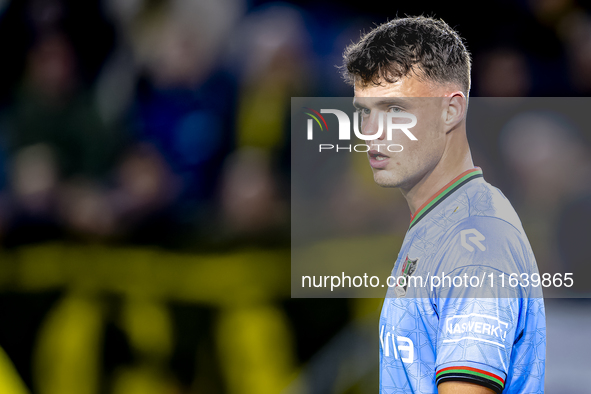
(425, 150)
(426, 126)
(428, 132)
(402, 134)
(430, 124)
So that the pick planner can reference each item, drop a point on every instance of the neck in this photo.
(455, 160)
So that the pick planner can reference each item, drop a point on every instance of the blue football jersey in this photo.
(467, 304)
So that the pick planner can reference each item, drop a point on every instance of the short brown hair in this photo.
(425, 46)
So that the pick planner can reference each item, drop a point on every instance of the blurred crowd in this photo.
(166, 123)
(146, 122)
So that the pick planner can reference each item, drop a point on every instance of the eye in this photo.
(364, 111)
(395, 109)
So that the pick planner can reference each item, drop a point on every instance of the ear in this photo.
(456, 105)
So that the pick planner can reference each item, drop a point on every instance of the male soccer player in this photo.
(477, 334)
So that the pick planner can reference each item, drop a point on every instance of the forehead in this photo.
(409, 86)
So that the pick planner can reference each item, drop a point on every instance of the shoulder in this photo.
(487, 201)
(488, 223)
(491, 241)
(479, 199)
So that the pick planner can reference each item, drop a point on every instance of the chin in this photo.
(386, 179)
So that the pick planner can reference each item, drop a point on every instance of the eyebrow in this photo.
(356, 104)
(386, 101)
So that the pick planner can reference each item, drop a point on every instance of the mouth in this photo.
(377, 159)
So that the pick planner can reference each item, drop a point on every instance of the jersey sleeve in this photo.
(481, 316)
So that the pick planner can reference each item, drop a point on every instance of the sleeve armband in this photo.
(478, 376)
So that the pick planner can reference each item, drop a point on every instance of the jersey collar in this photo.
(443, 193)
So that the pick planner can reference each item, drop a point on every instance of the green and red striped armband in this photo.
(484, 376)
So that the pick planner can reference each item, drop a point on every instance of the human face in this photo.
(418, 158)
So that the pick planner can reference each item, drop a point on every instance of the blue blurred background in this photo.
(145, 190)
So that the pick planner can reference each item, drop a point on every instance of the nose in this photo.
(374, 124)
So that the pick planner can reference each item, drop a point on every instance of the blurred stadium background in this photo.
(145, 191)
